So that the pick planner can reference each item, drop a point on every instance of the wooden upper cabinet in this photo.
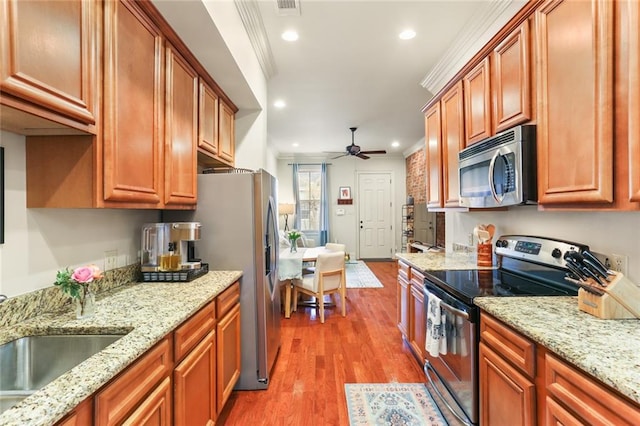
(477, 102)
(226, 138)
(208, 124)
(48, 59)
(575, 99)
(181, 130)
(511, 80)
(433, 138)
(133, 106)
(453, 141)
(634, 100)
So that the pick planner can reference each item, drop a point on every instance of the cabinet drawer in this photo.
(114, 403)
(404, 271)
(187, 336)
(509, 344)
(587, 399)
(417, 278)
(226, 300)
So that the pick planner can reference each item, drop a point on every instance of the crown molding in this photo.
(482, 27)
(252, 20)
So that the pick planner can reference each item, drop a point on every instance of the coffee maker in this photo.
(169, 246)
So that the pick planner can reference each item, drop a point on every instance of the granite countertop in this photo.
(608, 350)
(145, 312)
(437, 261)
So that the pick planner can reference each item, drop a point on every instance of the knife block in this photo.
(605, 306)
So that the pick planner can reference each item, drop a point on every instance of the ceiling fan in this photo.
(354, 149)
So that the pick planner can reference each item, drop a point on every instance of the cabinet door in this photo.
(82, 415)
(195, 385)
(208, 125)
(129, 390)
(452, 143)
(477, 103)
(226, 135)
(506, 396)
(403, 306)
(181, 130)
(133, 106)
(634, 100)
(512, 85)
(49, 55)
(418, 334)
(575, 89)
(433, 138)
(155, 410)
(229, 358)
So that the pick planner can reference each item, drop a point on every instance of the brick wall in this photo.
(416, 185)
(416, 177)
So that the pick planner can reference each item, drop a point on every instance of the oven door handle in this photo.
(428, 366)
(454, 311)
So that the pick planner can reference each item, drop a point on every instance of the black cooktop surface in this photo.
(471, 283)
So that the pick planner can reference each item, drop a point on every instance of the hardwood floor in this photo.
(316, 360)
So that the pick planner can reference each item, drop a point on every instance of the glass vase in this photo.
(294, 246)
(85, 304)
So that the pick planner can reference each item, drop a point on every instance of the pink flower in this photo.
(83, 275)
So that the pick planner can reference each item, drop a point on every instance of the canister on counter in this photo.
(485, 254)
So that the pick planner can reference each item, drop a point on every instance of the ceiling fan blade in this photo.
(379, 151)
(361, 155)
(340, 156)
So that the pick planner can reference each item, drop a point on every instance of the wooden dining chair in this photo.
(328, 278)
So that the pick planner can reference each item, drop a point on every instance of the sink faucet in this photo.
(2, 298)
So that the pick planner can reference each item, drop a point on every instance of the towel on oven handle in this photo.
(436, 341)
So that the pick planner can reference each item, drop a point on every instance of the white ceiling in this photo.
(349, 68)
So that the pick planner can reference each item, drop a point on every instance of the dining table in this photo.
(290, 267)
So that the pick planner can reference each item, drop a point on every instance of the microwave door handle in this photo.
(492, 165)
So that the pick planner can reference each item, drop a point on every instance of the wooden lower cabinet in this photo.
(403, 305)
(228, 344)
(522, 383)
(81, 416)
(507, 397)
(195, 385)
(139, 392)
(418, 322)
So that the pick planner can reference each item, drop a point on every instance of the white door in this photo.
(374, 192)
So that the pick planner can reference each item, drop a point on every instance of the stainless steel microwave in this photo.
(500, 171)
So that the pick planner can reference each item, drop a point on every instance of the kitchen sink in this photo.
(29, 363)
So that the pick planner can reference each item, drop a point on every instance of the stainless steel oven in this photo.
(527, 266)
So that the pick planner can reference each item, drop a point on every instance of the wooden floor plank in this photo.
(316, 360)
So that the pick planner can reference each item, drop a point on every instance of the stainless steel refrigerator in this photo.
(238, 213)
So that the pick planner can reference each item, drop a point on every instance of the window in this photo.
(309, 193)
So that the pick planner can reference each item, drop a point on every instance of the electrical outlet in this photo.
(617, 262)
(110, 259)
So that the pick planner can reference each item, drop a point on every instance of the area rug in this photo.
(360, 276)
(391, 404)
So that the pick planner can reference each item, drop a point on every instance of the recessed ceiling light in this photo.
(395, 144)
(279, 103)
(295, 144)
(407, 34)
(290, 35)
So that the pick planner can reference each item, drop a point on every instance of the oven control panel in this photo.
(546, 251)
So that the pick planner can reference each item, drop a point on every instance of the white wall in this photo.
(344, 172)
(604, 232)
(38, 242)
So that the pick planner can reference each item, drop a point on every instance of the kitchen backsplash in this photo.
(52, 299)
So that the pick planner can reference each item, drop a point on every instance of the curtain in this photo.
(296, 190)
(324, 206)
